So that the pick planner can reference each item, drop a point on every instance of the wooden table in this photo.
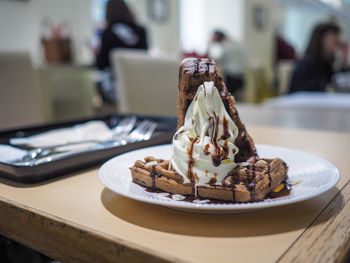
(76, 219)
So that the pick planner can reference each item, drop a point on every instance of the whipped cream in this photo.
(203, 148)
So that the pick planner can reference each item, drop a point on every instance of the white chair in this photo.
(145, 84)
(20, 99)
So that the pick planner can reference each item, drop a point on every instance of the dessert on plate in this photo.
(213, 156)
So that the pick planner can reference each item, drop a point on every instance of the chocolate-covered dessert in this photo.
(213, 155)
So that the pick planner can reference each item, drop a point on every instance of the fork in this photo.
(143, 131)
(124, 127)
(121, 129)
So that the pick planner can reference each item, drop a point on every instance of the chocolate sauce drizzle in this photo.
(196, 71)
(178, 134)
(212, 181)
(233, 187)
(249, 182)
(188, 198)
(225, 150)
(220, 152)
(207, 70)
(154, 175)
(216, 156)
(251, 186)
(284, 192)
(268, 173)
(191, 162)
(285, 168)
(226, 133)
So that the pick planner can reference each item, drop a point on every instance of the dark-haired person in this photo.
(121, 32)
(231, 59)
(314, 71)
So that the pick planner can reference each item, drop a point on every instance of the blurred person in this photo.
(284, 50)
(231, 58)
(315, 70)
(121, 31)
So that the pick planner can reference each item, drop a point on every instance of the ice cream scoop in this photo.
(203, 148)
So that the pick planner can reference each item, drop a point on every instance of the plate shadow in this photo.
(262, 222)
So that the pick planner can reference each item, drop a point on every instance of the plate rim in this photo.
(221, 207)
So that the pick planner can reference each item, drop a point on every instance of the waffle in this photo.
(192, 73)
(250, 181)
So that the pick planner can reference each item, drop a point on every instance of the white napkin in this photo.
(9, 154)
(92, 130)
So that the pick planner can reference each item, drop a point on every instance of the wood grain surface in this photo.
(327, 239)
(75, 219)
(65, 240)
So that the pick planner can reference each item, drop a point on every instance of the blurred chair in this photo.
(263, 86)
(20, 100)
(284, 73)
(71, 90)
(257, 84)
(145, 84)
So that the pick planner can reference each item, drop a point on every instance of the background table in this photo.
(76, 219)
(316, 119)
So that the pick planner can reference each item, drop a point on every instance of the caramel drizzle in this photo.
(206, 149)
(233, 150)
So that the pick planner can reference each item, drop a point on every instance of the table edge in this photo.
(327, 226)
(47, 233)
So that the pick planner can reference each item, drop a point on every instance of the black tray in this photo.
(32, 174)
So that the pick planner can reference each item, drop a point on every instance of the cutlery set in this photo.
(123, 133)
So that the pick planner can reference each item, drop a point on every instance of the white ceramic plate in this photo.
(315, 175)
